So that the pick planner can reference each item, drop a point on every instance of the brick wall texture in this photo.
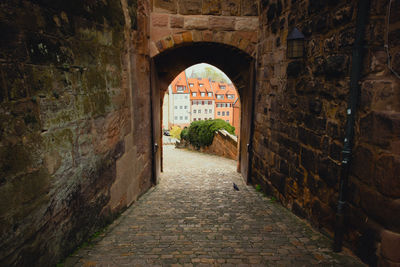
(75, 121)
(301, 113)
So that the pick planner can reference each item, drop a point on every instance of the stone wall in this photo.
(178, 22)
(72, 156)
(300, 113)
(223, 145)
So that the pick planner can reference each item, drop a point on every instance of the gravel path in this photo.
(194, 217)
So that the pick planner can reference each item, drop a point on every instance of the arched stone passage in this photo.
(236, 63)
(241, 40)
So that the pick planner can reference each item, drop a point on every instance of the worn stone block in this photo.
(380, 127)
(246, 24)
(212, 7)
(222, 23)
(390, 245)
(176, 21)
(198, 23)
(159, 20)
(190, 7)
(187, 37)
(308, 159)
(387, 178)
(231, 7)
(249, 8)
(169, 6)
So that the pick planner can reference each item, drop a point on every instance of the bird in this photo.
(235, 187)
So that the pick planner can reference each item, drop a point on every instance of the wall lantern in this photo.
(295, 44)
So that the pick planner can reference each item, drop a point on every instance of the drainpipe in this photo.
(356, 71)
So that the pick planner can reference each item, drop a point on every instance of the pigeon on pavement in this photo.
(235, 187)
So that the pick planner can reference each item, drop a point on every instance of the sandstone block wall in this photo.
(73, 76)
(177, 22)
(300, 117)
(224, 145)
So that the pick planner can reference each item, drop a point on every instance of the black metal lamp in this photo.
(295, 44)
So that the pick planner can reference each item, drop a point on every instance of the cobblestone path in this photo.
(194, 217)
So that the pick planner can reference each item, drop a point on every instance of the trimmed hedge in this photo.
(201, 133)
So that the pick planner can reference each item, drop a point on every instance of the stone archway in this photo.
(236, 63)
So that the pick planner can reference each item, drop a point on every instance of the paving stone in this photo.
(194, 217)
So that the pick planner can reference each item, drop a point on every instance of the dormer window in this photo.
(220, 96)
(222, 87)
(191, 84)
(180, 88)
(203, 94)
(194, 94)
(209, 94)
(201, 85)
(230, 96)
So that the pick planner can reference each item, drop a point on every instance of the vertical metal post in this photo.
(356, 71)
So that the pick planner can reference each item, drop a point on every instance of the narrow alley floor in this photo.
(194, 217)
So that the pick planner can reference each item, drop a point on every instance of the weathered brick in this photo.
(249, 8)
(176, 21)
(159, 20)
(211, 7)
(169, 6)
(222, 23)
(198, 23)
(308, 159)
(246, 24)
(390, 245)
(187, 37)
(190, 7)
(231, 7)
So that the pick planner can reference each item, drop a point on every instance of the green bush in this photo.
(201, 133)
(184, 134)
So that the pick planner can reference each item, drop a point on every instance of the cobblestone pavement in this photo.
(194, 217)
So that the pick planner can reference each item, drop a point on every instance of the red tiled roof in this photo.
(229, 90)
(206, 88)
(180, 80)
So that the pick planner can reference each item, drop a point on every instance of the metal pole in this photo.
(356, 69)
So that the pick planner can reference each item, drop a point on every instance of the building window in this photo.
(176, 107)
(209, 94)
(223, 113)
(205, 111)
(210, 102)
(201, 85)
(202, 102)
(194, 94)
(230, 96)
(199, 111)
(194, 119)
(220, 96)
(227, 113)
(194, 111)
(203, 94)
(210, 111)
(180, 107)
(186, 97)
(180, 88)
(191, 84)
(176, 117)
(185, 107)
(219, 113)
(186, 117)
(181, 117)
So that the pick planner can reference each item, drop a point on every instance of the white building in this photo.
(180, 101)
